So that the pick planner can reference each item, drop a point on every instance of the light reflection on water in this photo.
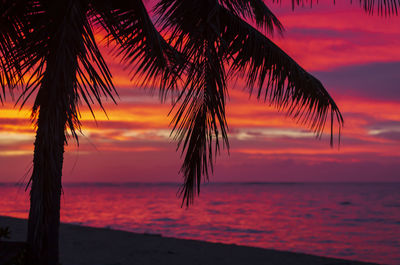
(352, 221)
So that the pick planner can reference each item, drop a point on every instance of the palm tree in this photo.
(48, 49)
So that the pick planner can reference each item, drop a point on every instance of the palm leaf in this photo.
(140, 45)
(382, 7)
(91, 78)
(277, 77)
(199, 120)
(211, 36)
(254, 10)
(12, 26)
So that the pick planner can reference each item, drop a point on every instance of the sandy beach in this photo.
(100, 246)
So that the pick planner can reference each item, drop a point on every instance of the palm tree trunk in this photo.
(56, 103)
(44, 214)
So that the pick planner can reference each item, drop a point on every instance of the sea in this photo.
(357, 221)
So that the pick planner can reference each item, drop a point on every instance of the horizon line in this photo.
(167, 183)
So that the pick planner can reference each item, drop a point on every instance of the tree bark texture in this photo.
(55, 100)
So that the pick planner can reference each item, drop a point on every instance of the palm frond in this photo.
(277, 77)
(81, 62)
(255, 10)
(382, 7)
(199, 122)
(140, 44)
(13, 16)
(211, 36)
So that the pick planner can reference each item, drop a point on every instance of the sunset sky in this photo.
(355, 55)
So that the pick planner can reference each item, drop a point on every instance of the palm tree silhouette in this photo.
(48, 49)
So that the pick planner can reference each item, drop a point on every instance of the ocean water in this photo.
(351, 221)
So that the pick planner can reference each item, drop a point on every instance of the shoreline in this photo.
(82, 245)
